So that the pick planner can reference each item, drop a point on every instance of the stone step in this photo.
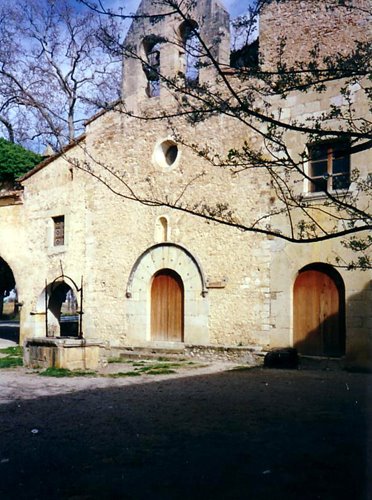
(152, 355)
(246, 355)
(172, 354)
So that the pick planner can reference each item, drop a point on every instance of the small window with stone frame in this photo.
(59, 230)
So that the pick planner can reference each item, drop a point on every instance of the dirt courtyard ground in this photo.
(253, 434)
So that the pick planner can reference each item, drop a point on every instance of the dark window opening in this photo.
(59, 230)
(246, 56)
(151, 66)
(329, 167)
(192, 48)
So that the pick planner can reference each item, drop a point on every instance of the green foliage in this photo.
(12, 351)
(150, 368)
(10, 362)
(362, 249)
(124, 374)
(64, 372)
(15, 160)
(116, 360)
(13, 357)
(160, 371)
(149, 371)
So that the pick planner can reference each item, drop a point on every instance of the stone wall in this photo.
(106, 233)
(330, 25)
(116, 185)
(55, 190)
(288, 259)
(238, 312)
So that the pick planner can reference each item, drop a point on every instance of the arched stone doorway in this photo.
(9, 322)
(167, 275)
(8, 295)
(167, 306)
(319, 311)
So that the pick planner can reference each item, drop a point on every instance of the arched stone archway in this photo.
(176, 264)
(9, 331)
(319, 311)
(7, 286)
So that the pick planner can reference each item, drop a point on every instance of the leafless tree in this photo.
(53, 71)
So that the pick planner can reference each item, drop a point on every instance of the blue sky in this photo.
(235, 7)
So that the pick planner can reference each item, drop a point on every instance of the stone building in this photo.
(144, 274)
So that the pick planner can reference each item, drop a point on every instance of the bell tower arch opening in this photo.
(163, 44)
(151, 65)
(189, 33)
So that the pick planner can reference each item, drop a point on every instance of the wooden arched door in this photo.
(319, 323)
(167, 306)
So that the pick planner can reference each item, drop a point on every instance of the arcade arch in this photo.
(8, 303)
(8, 293)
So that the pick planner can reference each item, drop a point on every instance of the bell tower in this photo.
(168, 47)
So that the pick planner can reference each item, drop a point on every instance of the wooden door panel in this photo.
(175, 311)
(317, 322)
(306, 314)
(167, 307)
(159, 308)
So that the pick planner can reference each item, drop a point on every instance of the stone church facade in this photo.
(143, 274)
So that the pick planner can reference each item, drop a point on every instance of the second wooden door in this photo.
(318, 314)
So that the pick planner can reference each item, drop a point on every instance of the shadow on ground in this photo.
(258, 434)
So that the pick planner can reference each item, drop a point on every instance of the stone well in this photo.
(58, 352)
